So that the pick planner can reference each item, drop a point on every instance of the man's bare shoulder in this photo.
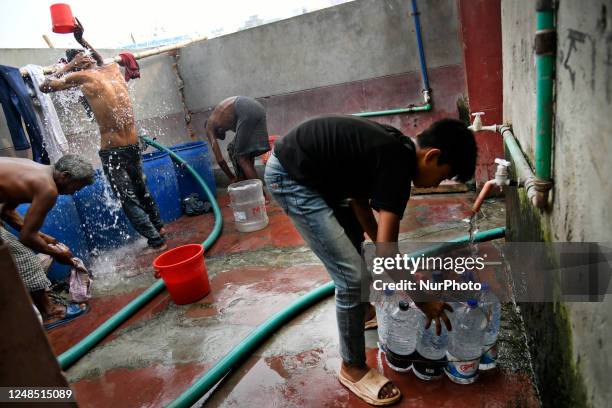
(99, 72)
(25, 178)
(10, 163)
(110, 70)
(81, 77)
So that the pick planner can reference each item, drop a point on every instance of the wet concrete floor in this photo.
(154, 356)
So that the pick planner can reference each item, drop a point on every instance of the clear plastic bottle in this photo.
(405, 328)
(465, 343)
(248, 204)
(430, 358)
(491, 308)
(384, 308)
(431, 353)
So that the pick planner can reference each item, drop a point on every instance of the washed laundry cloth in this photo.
(54, 141)
(16, 104)
(132, 69)
(80, 282)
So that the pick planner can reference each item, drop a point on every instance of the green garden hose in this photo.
(246, 347)
(71, 356)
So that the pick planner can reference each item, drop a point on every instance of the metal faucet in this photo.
(501, 180)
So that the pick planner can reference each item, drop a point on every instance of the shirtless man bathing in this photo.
(106, 91)
(24, 181)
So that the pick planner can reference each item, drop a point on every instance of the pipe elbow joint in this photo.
(540, 199)
(538, 191)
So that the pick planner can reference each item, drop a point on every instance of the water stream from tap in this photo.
(472, 228)
(473, 246)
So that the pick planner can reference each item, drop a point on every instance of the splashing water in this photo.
(473, 246)
(472, 230)
(111, 272)
(114, 207)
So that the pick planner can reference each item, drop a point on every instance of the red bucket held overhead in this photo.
(62, 19)
(184, 273)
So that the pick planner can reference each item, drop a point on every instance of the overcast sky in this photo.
(110, 23)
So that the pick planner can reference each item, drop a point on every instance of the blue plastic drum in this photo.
(64, 224)
(162, 184)
(197, 155)
(104, 222)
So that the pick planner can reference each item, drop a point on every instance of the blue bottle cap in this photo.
(484, 286)
(472, 303)
(388, 291)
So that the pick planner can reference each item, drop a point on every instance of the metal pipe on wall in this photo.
(524, 175)
(419, 38)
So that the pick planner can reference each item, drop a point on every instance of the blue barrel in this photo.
(104, 222)
(64, 224)
(162, 184)
(197, 155)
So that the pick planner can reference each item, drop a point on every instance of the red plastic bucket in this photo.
(184, 273)
(61, 18)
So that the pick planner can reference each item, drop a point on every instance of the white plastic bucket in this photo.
(249, 205)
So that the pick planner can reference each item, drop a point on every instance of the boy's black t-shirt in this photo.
(349, 157)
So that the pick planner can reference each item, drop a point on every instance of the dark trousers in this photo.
(123, 169)
(17, 104)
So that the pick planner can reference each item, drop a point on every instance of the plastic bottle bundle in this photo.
(405, 328)
(491, 308)
(465, 343)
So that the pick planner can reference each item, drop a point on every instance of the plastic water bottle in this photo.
(249, 205)
(431, 353)
(465, 343)
(384, 308)
(405, 328)
(491, 308)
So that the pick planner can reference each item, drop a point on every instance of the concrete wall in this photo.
(570, 342)
(482, 53)
(356, 41)
(155, 96)
(354, 57)
(350, 58)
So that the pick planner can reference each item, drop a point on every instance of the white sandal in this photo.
(368, 388)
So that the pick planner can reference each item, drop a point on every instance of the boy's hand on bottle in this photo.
(434, 311)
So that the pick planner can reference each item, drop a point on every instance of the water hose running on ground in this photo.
(246, 347)
(72, 355)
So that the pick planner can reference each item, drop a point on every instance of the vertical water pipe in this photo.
(545, 47)
(425, 79)
(417, 27)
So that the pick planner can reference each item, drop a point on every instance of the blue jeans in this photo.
(316, 221)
